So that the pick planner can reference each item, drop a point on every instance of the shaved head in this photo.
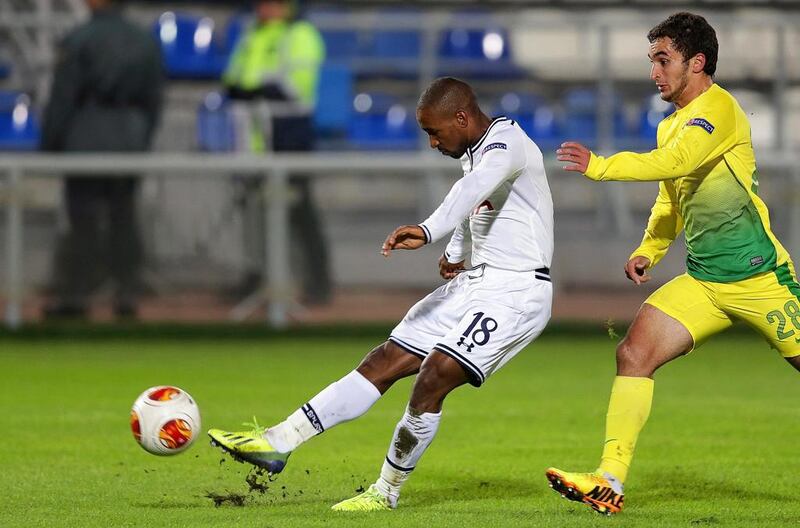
(448, 95)
(448, 112)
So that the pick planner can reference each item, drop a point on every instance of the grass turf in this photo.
(719, 449)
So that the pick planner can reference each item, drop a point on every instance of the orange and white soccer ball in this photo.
(165, 420)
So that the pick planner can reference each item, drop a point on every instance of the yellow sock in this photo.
(628, 410)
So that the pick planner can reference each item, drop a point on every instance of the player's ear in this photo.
(698, 63)
(461, 119)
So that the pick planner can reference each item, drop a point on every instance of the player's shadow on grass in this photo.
(472, 488)
(170, 504)
(678, 485)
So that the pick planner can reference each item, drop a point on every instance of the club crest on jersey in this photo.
(493, 146)
(702, 123)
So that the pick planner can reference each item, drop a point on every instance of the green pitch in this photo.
(720, 448)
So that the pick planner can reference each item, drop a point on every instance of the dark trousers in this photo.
(294, 134)
(103, 240)
(306, 229)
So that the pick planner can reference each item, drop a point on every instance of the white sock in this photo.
(341, 401)
(412, 436)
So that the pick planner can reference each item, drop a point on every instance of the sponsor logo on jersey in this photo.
(503, 146)
(702, 123)
(755, 261)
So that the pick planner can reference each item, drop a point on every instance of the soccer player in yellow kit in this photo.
(736, 268)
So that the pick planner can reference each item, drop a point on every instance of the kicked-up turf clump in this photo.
(258, 479)
(234, 499)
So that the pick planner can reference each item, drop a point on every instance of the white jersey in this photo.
(501, 210)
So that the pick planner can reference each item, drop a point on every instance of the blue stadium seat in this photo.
(400, 44)
(19, 129)
(188, 46)
(381, 122)
(233, 31)
(341, 45)
(394, 54)
(534, 116)
(215, 126)
(403, 44)
(334, 100)
(580, 118)
(653, 111)
(473, 44)
(371, 53)
(5, 70)
(477, 53)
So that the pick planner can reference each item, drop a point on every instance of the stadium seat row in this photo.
(193, 49)
(473, 45)
(19, 128)
(379, 121)
(375, 120)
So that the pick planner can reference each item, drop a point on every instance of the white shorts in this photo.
(482, 319)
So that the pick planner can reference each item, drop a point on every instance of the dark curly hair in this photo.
(690, 35)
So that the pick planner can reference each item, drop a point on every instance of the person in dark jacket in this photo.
(105, 97)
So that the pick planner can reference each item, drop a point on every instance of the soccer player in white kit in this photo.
(501, 218)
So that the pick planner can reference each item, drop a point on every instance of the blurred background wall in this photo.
(564, 69)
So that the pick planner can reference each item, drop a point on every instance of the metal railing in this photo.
(275, 170)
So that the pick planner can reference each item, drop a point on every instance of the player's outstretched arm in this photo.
(636, 269)
(404, 237)
(576, 155)
(691, 148)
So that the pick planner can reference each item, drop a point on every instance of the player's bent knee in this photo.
(386, 364)
(626, 354)
(438, 375)
(634, 359)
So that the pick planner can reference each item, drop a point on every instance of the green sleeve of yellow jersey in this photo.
(705, 136)
(664, 225)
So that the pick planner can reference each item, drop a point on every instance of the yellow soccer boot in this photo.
(591, 489)
(250, 447)
(370, 500)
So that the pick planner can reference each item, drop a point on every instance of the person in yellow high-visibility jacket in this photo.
(736, 267)
(276, 63)
(277, 58)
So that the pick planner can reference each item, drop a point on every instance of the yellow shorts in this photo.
(768, 302)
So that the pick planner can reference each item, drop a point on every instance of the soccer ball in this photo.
(165, 420)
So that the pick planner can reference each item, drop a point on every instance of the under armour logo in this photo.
(462, 342)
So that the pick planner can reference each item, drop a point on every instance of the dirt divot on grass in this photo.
(234, 499)
(258, 481)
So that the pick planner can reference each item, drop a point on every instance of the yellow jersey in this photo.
(708, 186)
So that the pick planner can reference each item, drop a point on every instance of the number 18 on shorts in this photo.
(482, 333)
